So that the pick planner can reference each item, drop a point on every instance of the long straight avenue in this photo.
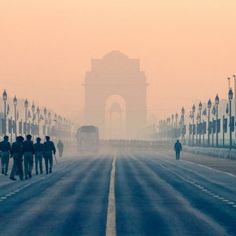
(121, 193)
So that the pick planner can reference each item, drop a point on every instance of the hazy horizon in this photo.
(186, 48)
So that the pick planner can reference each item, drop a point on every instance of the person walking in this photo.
(38, 147)
(17, 154)
(28, 149)
(60, 147)
(49, 150)
(5, 148)
(178, 149)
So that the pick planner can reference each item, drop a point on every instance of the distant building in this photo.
(115, 96)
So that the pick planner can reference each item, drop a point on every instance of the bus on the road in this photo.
(88, 138)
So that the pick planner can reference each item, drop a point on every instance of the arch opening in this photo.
(115, 117)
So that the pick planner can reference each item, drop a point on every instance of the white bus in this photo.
(88, 138)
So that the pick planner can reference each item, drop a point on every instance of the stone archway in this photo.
(117, 74)
(115, 117)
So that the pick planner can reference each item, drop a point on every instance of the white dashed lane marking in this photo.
(8, 195)
(203, 189)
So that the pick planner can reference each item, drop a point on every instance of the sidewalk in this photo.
(212, 151)
(218, 163)
(222, 164)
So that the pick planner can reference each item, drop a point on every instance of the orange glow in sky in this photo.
(187, 48)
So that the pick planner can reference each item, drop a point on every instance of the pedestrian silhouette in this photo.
(28, 149)
(17, 154)
(38, 147)
(60, 147)
(178, 149)
(49, 150)
(5, 148)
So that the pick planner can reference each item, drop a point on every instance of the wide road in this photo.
(121, 193)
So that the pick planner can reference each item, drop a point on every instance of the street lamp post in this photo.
(182, 123)
(176, 125)
(45, 119)
(230, 96)
(26, 104)
(209, 104)
(168, 128)
(172, 124)
(15, 114)
(33, 119)
(56, 125)
(204, 114)
(33, 112)
(176, 120)
(213, 125)
(197, 129)
(234, 76)
(49, 123)
(200, 121)
(223, 130)
(4, 96)
(38, 116)
(190, 128)
(193, 116)
(26, 110)
(217, 101)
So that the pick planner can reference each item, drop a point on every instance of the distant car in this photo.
(88, 138)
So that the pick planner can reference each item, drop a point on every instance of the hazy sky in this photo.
(187, 48)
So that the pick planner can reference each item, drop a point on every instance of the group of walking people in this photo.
(24, 153)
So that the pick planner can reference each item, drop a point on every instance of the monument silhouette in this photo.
(115, 85)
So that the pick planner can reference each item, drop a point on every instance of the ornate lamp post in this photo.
(234, 77)
(56, 125)
(193, 117)
(168, 125)
(209, 104)
(26, 110)
(45, 119)
(39, 118)
(26, 104)
(4, 97)
(172, 124)
(176, 120)
(200, 121)
(33, 119)
(45, 113)
(33, 112)
(230, 96)
(190, 128)
(175, 126)
(49, 123)
(182, 123)
(204, 114)
(217, 101)
(15, 102)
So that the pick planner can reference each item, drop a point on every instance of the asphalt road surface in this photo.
(121, 193)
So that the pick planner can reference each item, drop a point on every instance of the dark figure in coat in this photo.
(60, 147)
(5, 148)
(28, 148)
(178, 149)
(39, 148)
(48, 149)
(17, 154)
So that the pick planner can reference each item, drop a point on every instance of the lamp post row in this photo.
(35, 116)
(213, 126)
